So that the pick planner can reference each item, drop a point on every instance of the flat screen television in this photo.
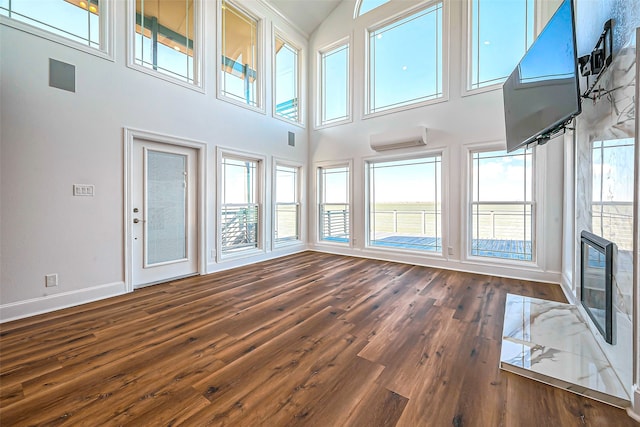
(543, 92)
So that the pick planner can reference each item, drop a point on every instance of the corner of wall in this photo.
(634, 410)
(567, 289)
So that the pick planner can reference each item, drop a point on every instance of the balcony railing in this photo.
(334, 223)
(614, 221)
(239, 228)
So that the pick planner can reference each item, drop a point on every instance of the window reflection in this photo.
(164, 37)
(286, 89)
(77, 20)
(239, 56)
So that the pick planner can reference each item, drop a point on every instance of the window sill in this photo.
(499, 262)
(291, 122)
(193, 86)
(333, 124)
(224, 257)
(485, 89)
(439, 100)
(244, 105)
(44, 34)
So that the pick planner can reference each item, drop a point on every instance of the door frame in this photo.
(130, 136)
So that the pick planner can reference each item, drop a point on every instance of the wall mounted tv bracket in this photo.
(598, 61)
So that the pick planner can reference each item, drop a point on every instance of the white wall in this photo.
(452, 125)
(51, 139)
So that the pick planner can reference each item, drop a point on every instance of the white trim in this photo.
(107, 33)
(261, 193)
(58, 301)
(509, 272)
(301, 184)
(302, 73)
(130, 136)
(466, 51)
(443, 153)
(634, 410)
(445, 46)
(260, 69)
(344, 41)
(198, 41)
(465, 202)
(316, 227)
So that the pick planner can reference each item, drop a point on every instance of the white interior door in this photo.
(164, 212)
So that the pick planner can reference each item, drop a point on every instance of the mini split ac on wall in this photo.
(406, 138)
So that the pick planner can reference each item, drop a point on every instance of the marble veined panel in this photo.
(549, 342)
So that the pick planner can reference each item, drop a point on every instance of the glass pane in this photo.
(238, 181)
(405, 61)
(286, 80)
(239, 55)
(502, 206)
(334, 206)
(404, 204)
(77, 20)
(164, 37)
(502, 177)
(501, 32)
(336, 185)
(286, 184)
(335, 85)
(287, 222)
(166, 196)
(239, 227)
(367, 5)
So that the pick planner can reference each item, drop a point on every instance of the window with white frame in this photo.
(405, 203)
(240, 77)
(81, 21)
(333, 207)
(287, 203)
(334, 84)
(405, 60)
(240, 204)
(502, 205)
(364, 6)
(500, 32)
(165, 39)
(286, 80)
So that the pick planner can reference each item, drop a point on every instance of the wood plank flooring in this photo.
(306, 340)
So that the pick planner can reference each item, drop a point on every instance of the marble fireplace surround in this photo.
(550, 342)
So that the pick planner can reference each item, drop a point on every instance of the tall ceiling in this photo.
(305, 14)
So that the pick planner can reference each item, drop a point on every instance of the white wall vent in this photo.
(411, 137)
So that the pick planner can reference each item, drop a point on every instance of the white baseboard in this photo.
(511, 272)
(634, 410)
(45, 304)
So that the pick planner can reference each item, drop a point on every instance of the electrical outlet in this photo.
(51, 280)
(450, 250)
(84, 190)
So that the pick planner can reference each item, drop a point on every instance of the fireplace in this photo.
(596, 284)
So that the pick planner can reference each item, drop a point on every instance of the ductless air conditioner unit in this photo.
(411, 137)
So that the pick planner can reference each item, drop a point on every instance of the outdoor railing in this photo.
(334, 222)
(239, 227)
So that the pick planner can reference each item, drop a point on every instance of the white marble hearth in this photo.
(549, 342)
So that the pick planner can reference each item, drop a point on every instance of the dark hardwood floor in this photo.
(310, 339)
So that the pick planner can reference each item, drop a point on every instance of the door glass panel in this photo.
(166, 195)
